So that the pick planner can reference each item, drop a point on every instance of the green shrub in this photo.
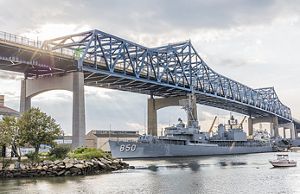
(87, 153)
(60, 151)
(44, 154)
(33, 157)
(6, 162)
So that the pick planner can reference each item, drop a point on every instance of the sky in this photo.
(254, 42)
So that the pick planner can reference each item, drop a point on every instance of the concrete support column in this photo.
(154, 104)
(250, 126)
(192, 116)
(284, 133)
(152, 117)
(292, 131)
(275, 126)
(25, 101)
(271, 130)
(78, 128)
(289, 126)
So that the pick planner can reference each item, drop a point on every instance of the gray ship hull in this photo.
(123, 149)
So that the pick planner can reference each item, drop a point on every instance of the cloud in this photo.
(57, 96)
(135, 126)
(231, 62)
(145, 16)
(99, 92)
(51, 30)
(10, 75)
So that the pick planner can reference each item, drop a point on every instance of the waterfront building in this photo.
(6, 111)
(64, 139)
(99, 138)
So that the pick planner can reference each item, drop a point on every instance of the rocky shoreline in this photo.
(66, 167)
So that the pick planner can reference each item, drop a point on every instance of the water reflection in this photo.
(153, 168)
(194, 166)
(223, 174)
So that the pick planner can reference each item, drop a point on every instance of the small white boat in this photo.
(283, 161)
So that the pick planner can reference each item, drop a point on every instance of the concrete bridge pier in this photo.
(293, 132)
(154, 104)
(297, 131)
(272, 120)
(250, 126)
(25, 101)
(274, 126)
(289, 126)
(192, 117)
(152, 117)
(284, 133)
(73, 82)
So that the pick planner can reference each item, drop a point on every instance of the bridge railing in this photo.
(4, 36)
(8, 37)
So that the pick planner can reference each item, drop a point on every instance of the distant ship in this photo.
(182, 140)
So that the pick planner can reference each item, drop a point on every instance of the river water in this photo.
(250, 173)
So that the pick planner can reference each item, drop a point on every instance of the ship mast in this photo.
(190, 106)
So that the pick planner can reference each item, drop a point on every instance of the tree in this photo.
(38, 128)
(10, 135)
(4, 136)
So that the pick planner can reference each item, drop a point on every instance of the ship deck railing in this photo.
(238, 143)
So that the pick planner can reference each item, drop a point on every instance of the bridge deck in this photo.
(111, 62)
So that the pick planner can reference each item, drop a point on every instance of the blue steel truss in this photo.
(175, 65)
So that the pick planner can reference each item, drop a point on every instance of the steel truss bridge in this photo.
(112, 62)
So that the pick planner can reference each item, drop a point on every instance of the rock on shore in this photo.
(66, 167)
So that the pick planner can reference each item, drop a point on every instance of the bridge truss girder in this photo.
(170, 70)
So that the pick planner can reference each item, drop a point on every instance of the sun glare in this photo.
(48, 31)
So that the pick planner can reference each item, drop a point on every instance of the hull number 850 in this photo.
(127, 148)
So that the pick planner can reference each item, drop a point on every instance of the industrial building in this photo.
(99, 138)
(6, 111)
(64, 139)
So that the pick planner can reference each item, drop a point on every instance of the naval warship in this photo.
(189, 140)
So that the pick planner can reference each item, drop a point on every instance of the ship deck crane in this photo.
(241, 124)
(212, 125)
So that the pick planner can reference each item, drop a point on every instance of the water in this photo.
(251, 173)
